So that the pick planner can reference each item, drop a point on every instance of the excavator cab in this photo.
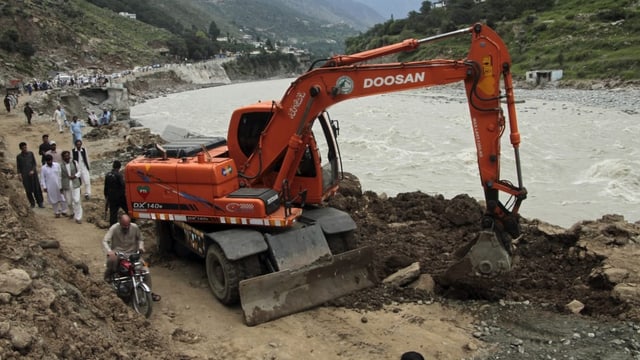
(316, 176)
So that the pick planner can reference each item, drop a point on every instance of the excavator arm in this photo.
(351, 76)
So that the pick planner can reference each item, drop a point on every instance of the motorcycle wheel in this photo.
(143, 304)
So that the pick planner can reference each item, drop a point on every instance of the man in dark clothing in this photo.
(114, 192)
(44, 147)
(79, 154)
(28, 112)
(7, 103)
(27, 171)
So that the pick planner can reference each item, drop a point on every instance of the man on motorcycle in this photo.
(123, 236)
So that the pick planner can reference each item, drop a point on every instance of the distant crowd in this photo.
(107, 116)
(76, 125)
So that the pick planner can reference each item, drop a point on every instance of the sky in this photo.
(398, 8)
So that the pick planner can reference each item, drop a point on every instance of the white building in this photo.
(127, 15)
(542, 76)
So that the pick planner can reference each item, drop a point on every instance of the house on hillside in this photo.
(542, 76)
(128, 15)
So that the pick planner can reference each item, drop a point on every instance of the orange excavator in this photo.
(253, 204)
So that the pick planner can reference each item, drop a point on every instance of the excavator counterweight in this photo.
(253, 204)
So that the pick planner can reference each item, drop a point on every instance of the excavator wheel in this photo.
(223, 275)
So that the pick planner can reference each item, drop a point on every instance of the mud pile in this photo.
(594, 262)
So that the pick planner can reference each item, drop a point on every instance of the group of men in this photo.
(104, 119)
(62, 175)
(75, 125)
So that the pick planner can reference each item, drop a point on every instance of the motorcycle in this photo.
(128, 282)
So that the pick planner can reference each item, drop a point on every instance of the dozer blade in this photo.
(485, 258)
(268, 297)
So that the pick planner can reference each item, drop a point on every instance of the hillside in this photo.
(588, 39)
(39, 37)
(73, 34)
(319, 26)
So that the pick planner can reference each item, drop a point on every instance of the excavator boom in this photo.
(343, 77)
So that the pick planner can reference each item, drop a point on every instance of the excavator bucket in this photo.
(485, 257)
(286, 292)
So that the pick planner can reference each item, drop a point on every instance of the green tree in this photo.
(25, 49)
(214, 32)
(269, 45)
(9, 40)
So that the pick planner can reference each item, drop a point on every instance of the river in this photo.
(579, 152)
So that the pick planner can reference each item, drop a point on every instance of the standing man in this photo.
(114, 192)
(57, 158)
(58, 117)
(70, 177)
(28, 112)
(64, 116)
(7, 103)
(123, 236)
(76, 129)
(27, 172)
(51, 182)
(44, 147)
(79, 154)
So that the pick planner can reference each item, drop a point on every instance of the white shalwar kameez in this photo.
(51, 182)
(73, 194)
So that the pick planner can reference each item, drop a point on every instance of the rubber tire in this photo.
(223, 275)
(145, 307)
(164, 237)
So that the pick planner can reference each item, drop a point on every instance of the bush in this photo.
(540, 27)
(610, 15)
(8, 40)
(25, 49)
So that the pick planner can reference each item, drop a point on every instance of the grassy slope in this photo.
(74, 34)
(575, 38)
(581, 37)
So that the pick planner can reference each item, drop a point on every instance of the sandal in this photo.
(155, 297)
